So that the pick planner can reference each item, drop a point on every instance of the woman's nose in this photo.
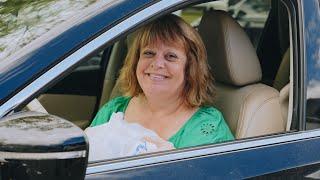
(158, 62)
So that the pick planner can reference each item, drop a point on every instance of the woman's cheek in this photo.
(139, 70)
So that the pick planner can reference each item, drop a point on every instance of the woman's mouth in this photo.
(156, 77)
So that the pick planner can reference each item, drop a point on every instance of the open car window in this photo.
(80, 95)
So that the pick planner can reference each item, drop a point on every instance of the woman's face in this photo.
(160, 69)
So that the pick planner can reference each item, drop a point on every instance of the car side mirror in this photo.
(41, 146)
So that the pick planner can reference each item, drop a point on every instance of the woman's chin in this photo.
(157, 92)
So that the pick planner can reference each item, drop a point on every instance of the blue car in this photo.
(60, 62)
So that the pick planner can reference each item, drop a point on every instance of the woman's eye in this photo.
(172, 57)
(148, 53)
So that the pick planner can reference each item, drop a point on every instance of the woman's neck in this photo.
(161, 106)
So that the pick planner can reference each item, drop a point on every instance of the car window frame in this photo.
(299, 66)
(128, 25)
(109, 166)
(227, 147)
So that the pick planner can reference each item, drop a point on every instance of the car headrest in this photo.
(231, 56)
(130, 39)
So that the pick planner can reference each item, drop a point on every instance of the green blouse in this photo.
(206, 126)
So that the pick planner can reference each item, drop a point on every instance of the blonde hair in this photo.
(199, 89)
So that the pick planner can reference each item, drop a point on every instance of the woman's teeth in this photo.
(156, 76)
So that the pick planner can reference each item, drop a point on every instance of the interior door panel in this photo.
(75, 108)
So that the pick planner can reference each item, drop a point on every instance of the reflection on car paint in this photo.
(28, 20)
(36, 124)
(312, 26)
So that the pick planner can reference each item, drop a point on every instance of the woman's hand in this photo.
(161, 144)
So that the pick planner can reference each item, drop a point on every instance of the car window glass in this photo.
(250, 14)
(75, 97)
(312, 24)
(93, 62)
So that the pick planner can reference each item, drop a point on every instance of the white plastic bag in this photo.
(118, 138)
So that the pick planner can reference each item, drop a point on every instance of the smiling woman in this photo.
(168, 90)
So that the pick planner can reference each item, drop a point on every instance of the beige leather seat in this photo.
(116, 60)
(281, 83)
(111, 85)
(249, 107)
(283, 73)
(284, 103)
